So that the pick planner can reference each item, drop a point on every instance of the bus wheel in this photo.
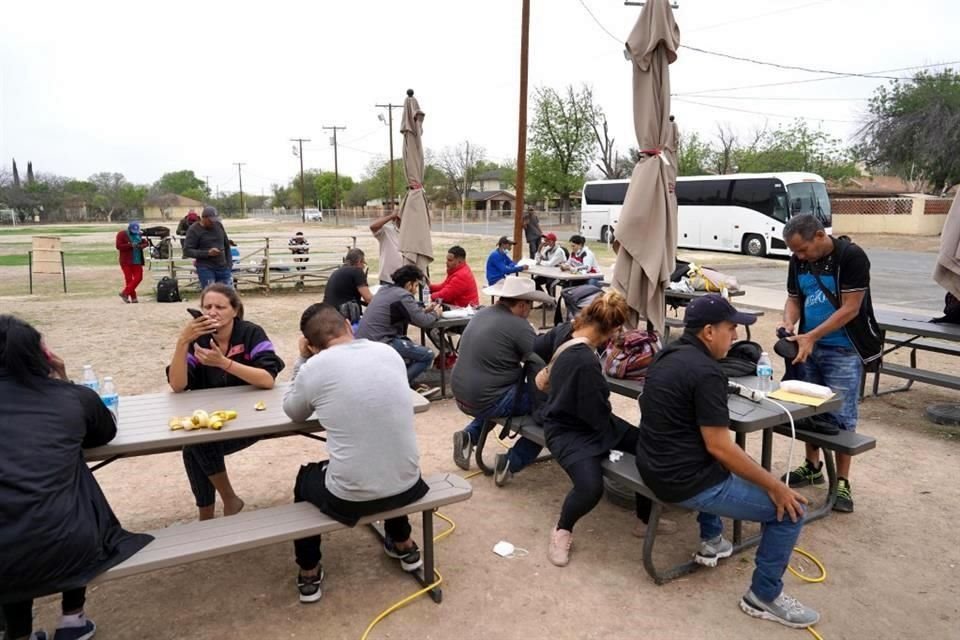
(754, 245)
(606, 235)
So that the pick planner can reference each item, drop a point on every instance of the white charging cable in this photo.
(793, 437)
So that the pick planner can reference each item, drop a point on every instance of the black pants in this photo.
(534, 246)
(19, 615)
(310, 488)
(204, 460)
(587, 477)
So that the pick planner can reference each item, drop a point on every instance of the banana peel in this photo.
(201, 419)
(260, 406)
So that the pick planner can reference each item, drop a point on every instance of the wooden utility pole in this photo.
(243, 207)
(522, 133)
(303, 186)
(336, 169)
(390, 107)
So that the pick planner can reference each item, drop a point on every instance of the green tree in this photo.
(562, 140)
(377, 178)
(913, 129)
(797, 148)
(324, 184)
(358, 195)
(694, 155)
(182, 183)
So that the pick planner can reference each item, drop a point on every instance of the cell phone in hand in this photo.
(204, 340)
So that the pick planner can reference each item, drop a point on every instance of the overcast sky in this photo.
(104, 85)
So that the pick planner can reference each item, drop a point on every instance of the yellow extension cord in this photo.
(439, 578)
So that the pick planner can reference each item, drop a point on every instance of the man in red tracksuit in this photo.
(130, 245)
(459, 289)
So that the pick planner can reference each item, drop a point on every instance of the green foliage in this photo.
(562, 140)
(694, 155)
(797, 148)
(913, 128)
(181, 182)
(324, 185)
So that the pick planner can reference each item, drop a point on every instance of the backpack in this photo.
(578, 298)
(951, 310)
(629, 355)
(741, 359)
(168, 290)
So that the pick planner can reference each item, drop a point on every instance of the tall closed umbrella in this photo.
(947, 270)
(415, 243)
(647, 229)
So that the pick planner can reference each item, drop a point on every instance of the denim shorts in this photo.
(841, 369)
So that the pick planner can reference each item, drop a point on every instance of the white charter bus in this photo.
(742, 212)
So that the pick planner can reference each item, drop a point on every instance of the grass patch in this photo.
(72, 259)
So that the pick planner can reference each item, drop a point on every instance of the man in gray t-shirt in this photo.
(488, 377)
(357, 389)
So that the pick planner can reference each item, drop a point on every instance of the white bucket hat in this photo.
(518, 289)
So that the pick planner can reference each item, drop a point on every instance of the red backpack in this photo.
(629, 355)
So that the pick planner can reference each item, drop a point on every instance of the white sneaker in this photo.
(711, 551)
(787, 611)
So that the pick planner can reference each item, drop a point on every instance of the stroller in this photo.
(162, 249)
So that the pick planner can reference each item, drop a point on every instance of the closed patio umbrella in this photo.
(947, 271)
(415, 242)
(647, 229)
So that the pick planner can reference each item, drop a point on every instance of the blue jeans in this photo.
(841, 369)
(738, 499)
(417, 358)
(208, 276)
(524, 451)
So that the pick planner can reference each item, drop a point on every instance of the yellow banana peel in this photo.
(200, 419)
(260, 406)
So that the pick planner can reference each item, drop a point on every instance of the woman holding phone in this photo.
(218, 348)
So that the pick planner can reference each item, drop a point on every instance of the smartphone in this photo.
(204, 340)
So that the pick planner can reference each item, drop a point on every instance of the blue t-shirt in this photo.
(854, 276)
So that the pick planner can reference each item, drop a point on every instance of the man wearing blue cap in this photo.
(207, 242)
(686, 456)
(130, 244)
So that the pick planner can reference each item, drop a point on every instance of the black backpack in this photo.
(168, 290)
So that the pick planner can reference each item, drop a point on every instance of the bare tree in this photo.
(728, 142)
(610, 164)
(458, 164)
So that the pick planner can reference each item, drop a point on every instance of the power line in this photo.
(599, 24)
(790, 67)
(780, 98)
(820, 79)
(759, 16)
(763, 113)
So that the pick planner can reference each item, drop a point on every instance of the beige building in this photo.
(169, 207)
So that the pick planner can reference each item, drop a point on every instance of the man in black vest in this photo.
(828, 288)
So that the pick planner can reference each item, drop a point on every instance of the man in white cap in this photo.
(488, 380)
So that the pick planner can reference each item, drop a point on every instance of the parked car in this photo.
(313, 215)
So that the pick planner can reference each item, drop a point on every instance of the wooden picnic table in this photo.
(143, 427)
(917, 333)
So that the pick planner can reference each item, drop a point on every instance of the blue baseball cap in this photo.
(714, 309)
(134, 226)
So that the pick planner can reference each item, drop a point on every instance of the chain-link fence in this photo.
(872, 206)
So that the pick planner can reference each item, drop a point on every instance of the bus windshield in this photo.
(810, 197)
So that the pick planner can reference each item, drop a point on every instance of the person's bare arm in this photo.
(377, 224)
(213, 357)
(365, 294)
(848, 310)
(722, 447)
(791, 313)
(177, 375)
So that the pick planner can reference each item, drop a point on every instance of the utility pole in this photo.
(243, 208)
(390, 107)
(207, 182)
(303, 186)
(336, 171)
(522, 132)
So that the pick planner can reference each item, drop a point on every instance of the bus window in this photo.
(822, 204)
(611, 193)
(801, 198)
(756, 194)
(703, 192)
(781, 210)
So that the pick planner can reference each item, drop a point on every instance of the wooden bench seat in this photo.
(185, 543)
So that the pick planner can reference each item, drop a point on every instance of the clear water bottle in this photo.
(426, 294)
(765, 373)
(110, 397)
(89, 378)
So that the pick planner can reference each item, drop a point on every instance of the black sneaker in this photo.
(501, 470)
(805, 474)
(462, 449)
(87, 631)
(309, 588)
(844, 503)
(410, 559)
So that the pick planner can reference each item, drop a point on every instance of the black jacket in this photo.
(57, 531)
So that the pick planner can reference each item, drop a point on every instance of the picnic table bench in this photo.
(185, 543)
(916, 333)
(745, 417)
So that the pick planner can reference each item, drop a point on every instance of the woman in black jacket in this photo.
(219, 349)
(57, 531)
(579, 424)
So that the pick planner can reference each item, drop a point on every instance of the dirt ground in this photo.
(893, 565)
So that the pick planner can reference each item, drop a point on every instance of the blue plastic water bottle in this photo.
(110, 397)
(765, 373)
